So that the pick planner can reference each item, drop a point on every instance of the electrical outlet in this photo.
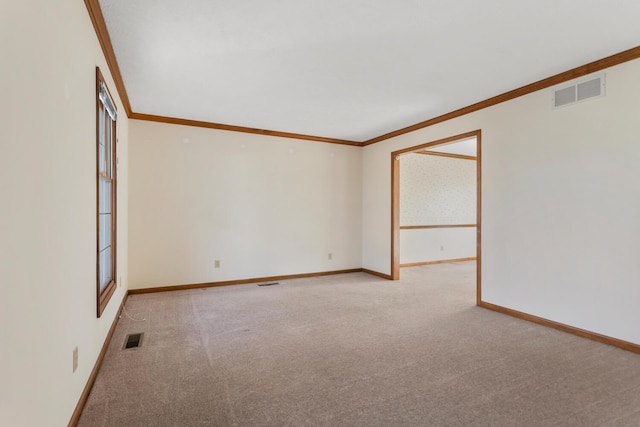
(330, 256)
(216, 263)
(75, 359)
(442, 248)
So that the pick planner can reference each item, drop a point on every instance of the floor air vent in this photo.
(133, 341)
(582, 90)
(268, 284)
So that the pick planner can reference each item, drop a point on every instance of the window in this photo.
(106, 191)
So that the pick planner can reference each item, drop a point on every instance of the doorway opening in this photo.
(457, 147)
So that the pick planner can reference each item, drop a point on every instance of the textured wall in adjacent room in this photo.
(437, 190)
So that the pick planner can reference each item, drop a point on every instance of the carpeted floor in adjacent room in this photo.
(354, 350)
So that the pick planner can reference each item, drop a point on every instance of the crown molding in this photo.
(95, 13)
(574, 73)
(97, 18)
(232, 128)
(453, 156)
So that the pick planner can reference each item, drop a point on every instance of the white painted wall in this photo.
(49, 52)
(560, 205)
(436, 244)
(437, 191)
(262, 205)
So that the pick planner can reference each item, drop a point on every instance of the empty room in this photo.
(327, 213)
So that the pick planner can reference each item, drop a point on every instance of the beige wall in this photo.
(261, 205)
(49, 52)
(437, 244)
(560, 204)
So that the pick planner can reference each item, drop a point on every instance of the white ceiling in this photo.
(465, 147)
(350, 69)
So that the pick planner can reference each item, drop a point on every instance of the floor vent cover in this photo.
(133, 341)
(268, 284)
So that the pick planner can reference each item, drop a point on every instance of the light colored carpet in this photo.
(355, 350)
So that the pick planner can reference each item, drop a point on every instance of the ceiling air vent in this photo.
(581, 90)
